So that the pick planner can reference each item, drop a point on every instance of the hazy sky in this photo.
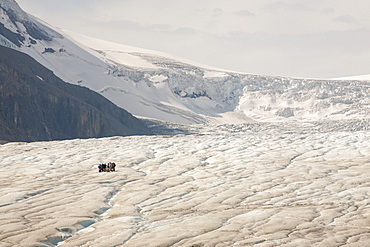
(301, 38)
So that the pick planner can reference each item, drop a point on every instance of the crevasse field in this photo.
(230, 185)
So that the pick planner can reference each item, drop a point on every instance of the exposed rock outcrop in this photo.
(37, 105)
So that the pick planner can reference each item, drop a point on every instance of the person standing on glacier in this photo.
(100, 167)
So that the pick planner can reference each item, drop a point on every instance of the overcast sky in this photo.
(300, 38)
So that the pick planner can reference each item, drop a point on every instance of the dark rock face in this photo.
(15, 38)
(37, 105)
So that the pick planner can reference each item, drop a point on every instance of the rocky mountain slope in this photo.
(37, 105)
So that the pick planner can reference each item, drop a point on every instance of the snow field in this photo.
(215, 189)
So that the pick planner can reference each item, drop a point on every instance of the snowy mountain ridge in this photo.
(13, 7)
(214, 92)
(20, 28)
(159, 86)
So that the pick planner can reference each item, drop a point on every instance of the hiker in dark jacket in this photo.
(113, 167)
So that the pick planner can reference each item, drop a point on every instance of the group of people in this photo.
(110, 167)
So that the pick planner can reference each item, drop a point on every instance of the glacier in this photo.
(257, 184)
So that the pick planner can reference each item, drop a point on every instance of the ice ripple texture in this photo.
(217, 188)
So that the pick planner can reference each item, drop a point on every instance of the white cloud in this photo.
(286, 6)
(245, 13)
(217, 12)
(345, 19)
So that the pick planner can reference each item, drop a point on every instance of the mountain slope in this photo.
(20, 28)
(36, 105)
(155, 85)
(223, 96)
